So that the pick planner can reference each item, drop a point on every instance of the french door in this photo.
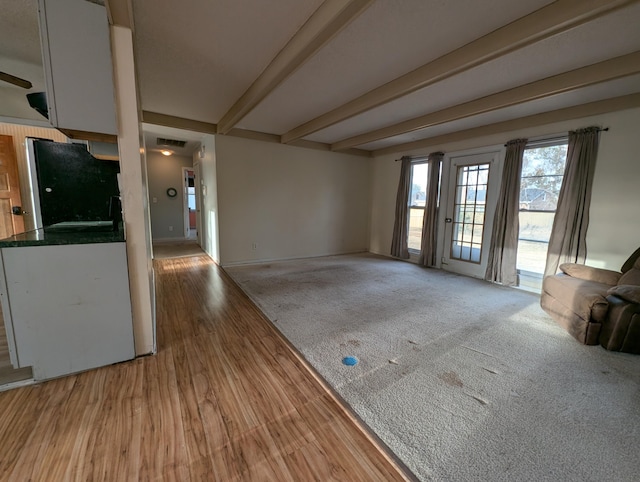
(472, 189)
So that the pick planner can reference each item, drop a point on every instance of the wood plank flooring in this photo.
(224, 399)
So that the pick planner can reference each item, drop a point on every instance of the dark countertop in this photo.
(40, 237)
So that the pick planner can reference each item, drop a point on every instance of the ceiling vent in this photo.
(169, 142)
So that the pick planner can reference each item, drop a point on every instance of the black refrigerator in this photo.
(74, 186)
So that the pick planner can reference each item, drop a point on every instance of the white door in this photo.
(472, 189)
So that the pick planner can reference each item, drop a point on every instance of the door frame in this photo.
(198, 182)
(447, 196)
(185, 201)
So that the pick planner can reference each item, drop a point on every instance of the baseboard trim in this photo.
(292, 258)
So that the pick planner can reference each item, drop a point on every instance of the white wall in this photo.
(165, 172)
(289, 202)
(614, 230)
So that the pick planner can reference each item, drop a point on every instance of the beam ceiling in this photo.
(568, 113)
(596, 73)
(551, 20)
(329, 19)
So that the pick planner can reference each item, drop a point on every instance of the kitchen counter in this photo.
(40, 237)
(65, 301)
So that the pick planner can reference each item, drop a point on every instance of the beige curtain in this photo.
(569, 232)
(429, 234)
(399, 242)
(503, 250)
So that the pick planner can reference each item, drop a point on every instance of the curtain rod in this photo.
(548, 139)
(420, 158)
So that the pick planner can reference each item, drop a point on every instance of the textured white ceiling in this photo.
(19, 34)
(20, 56)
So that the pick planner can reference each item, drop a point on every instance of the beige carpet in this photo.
(462, 379)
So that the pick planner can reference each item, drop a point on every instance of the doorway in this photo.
(190, 207)
(471, 195)
(11, 220)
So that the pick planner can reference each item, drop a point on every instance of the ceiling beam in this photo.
(319, 146)
(329, 19)
(568, 113)
(120, 12)
(593, 74)
(178, 122)
(207, 128)
(550, 20)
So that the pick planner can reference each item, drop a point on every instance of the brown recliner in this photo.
(597, 305)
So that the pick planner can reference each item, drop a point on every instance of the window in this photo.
(417, 201)
(542, 173)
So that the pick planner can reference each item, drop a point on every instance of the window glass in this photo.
(542, 173)
(469, 210)
(417, 201)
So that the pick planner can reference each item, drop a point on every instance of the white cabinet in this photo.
(76, 52)
(67, 307)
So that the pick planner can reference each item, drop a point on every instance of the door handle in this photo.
(17, 210)
(448, 220)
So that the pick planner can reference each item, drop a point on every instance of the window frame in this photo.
(538, 144)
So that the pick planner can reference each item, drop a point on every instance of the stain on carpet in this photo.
(451, 378)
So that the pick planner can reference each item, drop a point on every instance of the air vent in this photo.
(170, 142)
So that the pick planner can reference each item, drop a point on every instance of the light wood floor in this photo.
(176, 250)
(224, 399)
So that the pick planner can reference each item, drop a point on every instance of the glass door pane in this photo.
(469, 212)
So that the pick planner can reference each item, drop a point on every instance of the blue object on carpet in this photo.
(350, 360)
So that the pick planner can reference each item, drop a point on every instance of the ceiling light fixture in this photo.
(166, 152)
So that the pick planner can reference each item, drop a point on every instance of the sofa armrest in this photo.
(630, 293)
(621, 330)
(590, 273)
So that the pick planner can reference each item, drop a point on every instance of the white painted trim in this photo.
(134, 192)
(18, 384)
(7, 315)
(185, 203)
(197, 166)
(34, 193)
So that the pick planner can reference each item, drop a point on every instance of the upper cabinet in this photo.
(76, 53)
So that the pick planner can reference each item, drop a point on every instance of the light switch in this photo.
(154, 200)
